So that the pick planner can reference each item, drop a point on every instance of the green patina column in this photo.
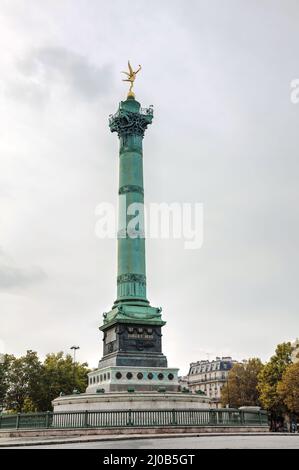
(132, 328)
(130, 123)
(132, 357)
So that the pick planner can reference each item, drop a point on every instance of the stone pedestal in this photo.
(133, 337)
(134, 401)
(142, 378)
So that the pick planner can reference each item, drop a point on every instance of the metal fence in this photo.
(138, 418)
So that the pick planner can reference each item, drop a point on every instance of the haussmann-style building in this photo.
(209, 377)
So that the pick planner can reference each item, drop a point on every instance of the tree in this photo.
(24, 377)
(60, 374)
(27, 384)
(269, 378)
(288, 388)
(4, 376)
(241, 388)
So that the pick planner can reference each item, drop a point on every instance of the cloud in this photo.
(13, 276)
(44, 69)
(225, 133)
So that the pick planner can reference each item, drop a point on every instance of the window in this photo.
(129, 375)
(140, 376)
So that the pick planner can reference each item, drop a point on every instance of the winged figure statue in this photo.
(131, 78)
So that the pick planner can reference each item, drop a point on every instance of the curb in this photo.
(132, 437)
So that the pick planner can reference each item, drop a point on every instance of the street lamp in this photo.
(74, 348)
(238, 379)
(228, 397)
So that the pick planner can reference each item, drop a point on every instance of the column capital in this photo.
(130, 119)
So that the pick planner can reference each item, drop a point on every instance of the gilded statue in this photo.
(131, 78)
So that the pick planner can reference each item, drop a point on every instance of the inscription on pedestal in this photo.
(132, 342)
(110, 336)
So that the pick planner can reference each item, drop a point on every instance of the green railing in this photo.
(138, 418)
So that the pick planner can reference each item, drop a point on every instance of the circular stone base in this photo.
(133, 401)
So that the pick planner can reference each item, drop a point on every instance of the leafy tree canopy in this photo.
(288, 388)
(241, 388)
(271, 375)
(28, 385)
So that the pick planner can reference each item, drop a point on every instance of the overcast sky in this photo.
(225, 133)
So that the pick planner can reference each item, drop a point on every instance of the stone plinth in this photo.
(145, 379)
(134, 401)
(131, 343)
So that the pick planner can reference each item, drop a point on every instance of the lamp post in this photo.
(74, 348)
(228, 396)
(238, 380)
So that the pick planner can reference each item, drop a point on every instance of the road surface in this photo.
(271, 441)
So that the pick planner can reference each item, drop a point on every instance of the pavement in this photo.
(200, 441)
